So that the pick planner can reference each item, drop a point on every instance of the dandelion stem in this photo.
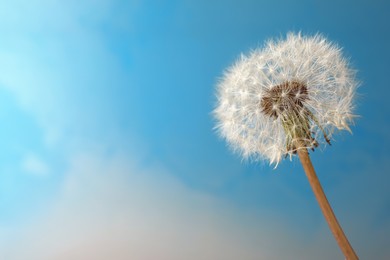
(327, 211)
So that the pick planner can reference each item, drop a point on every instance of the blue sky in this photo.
(107, 142)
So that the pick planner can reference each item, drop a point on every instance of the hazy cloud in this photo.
(32, 164)
(110, 208)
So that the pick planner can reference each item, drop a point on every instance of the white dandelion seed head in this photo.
(306, 74)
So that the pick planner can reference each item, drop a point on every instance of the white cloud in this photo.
(32, 164)
(110, 208)
(57, 63)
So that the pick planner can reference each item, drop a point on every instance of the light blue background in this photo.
(100, 98)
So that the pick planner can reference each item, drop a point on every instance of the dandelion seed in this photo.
(299, 79)
(295, 92)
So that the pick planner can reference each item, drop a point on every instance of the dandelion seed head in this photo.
(303, 76)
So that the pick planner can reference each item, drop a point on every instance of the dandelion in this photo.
(284, 99)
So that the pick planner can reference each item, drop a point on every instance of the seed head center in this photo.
(287, 97)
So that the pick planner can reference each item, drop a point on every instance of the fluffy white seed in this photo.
(314, 61)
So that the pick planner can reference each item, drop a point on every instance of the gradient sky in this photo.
(107, 142)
